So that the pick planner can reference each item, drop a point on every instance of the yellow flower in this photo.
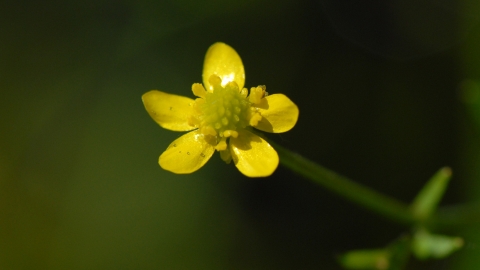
(221, 118)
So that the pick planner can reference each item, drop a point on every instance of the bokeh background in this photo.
(388, 91)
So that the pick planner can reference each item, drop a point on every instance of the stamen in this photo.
(256, 117)
(256, 94)
(220, 112)
(230, 133)
(231, 84)
(244, 92)
(198, 90)
(222, 145)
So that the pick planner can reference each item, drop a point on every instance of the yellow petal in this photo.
(279, 114)
(223, 61)
(169, 111)
(187, 153)
(252, 155)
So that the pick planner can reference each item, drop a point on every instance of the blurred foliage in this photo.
(393, 257)
(427, 200)
(80, 187)
(426, 245)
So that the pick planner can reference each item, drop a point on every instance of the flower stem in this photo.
(345, 187)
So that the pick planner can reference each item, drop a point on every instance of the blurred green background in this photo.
(388, 93)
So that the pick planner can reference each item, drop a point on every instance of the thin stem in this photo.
(345, 187)
(446, 216)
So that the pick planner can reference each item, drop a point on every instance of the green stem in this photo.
(345, 187)
(446, 216)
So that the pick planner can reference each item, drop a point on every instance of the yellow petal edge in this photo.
(281, 115)
(252, 155)
(187, 153)
(168, 110)
(223, 61)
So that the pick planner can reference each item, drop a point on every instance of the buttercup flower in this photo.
(221, 118)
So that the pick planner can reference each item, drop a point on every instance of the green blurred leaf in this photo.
(428, 198)
(393, 257)
(366, 259)
(426, 245)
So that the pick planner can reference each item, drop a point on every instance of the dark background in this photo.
(388, 93)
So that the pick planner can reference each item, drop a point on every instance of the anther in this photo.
(222, 108)
(256, 94)
(255, 119)
(244, 92)
(222, 145)
(230, 133)
(198, 90)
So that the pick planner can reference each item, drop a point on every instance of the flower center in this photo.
(224, 110)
